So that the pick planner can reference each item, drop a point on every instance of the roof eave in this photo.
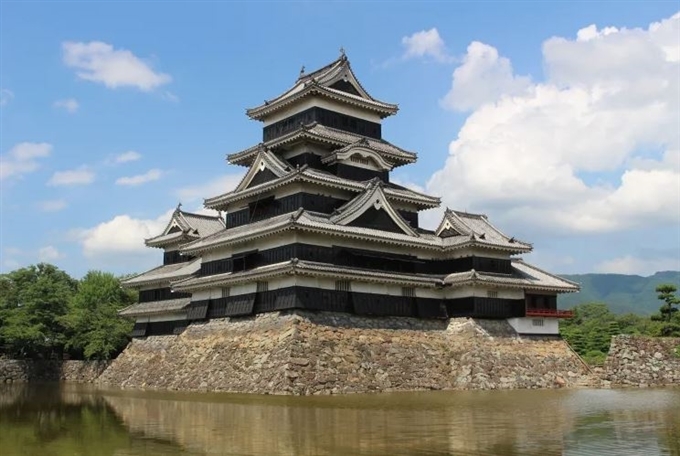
(261, 112)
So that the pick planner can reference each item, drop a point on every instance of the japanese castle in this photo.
(316, 224)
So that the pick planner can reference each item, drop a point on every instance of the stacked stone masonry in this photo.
(643, 361)
(304, 353)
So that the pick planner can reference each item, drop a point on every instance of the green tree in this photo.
(32, 302)
(93, 325)
(668, 311)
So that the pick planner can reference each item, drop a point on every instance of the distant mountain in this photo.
(623, 293)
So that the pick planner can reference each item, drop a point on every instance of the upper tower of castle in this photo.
(331, 96)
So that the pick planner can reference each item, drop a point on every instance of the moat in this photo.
(68, 419)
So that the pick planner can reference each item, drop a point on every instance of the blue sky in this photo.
(560, 120)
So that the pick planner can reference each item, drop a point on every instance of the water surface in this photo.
(73, 420)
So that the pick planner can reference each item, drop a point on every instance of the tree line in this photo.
(45, 313)
(590, 330)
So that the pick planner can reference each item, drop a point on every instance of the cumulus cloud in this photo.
(121, 235)
(483, 77)
(214, 187)
(6, 96)
(124, 157)
(139, 179)
(425, 43)
(52, 205)
(594, 148)
(23, 159)
(79, 176)
(48, 254)
(99, 62)
(70, 105)
(629, 264)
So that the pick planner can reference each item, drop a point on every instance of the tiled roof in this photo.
(524, 276)
(321, 133)
(155, 307)
(264, 159)
(373, 196)
(476, 226)
(192, 226)
(164, 273)
(315, 222)
(316, 269)
(307, 174)
(319, 82)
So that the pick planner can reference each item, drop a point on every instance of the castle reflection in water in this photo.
(68, 419)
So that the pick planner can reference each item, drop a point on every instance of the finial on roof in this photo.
(179, 206)
(342, 52)
(302, 70)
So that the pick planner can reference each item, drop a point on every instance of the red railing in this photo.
(555, 313)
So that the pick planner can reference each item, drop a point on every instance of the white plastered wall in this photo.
(532, 325)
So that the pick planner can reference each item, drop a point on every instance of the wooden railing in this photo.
(555, 313)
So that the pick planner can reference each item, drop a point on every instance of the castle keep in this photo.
(315, 224)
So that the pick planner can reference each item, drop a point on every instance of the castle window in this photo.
(492, 294)
(537, 322)
(343, 285)
(262, 287)
(226, 292)
(409, 292)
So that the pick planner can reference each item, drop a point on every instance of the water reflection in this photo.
(439, 423)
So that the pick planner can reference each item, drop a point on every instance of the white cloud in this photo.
(23, 159)
(79, 176)
(125, 157)
(70, 105)
(100, 62)
(426, 43)
(6, 96)
(149, 176)
(121, 235)
(218, 186)
(52, 205)
(642, 266)
(594, 148)
(484, 77)
(48, 254)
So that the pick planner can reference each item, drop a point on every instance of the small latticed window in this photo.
(537, 322)
(262, 286)
(226, 292)
(491, 294)
(343, 285)
(409, 292)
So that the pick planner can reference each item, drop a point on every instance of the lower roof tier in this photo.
(333, 227)
(522, 276)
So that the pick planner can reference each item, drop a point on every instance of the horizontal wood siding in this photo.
(198, 310)
(431, 308)
(357, 173)
(383, 305)
(324, 117)
(356, 258)
(139, 330)
(230, 306)
(327, 300)
(268, 207)
(479, 307)
(174, 257)
(161, 294)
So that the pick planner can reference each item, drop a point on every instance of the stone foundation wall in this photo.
(325, 353)
(12, 370)
(643, 361)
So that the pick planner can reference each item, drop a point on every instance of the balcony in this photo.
(549, 313)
